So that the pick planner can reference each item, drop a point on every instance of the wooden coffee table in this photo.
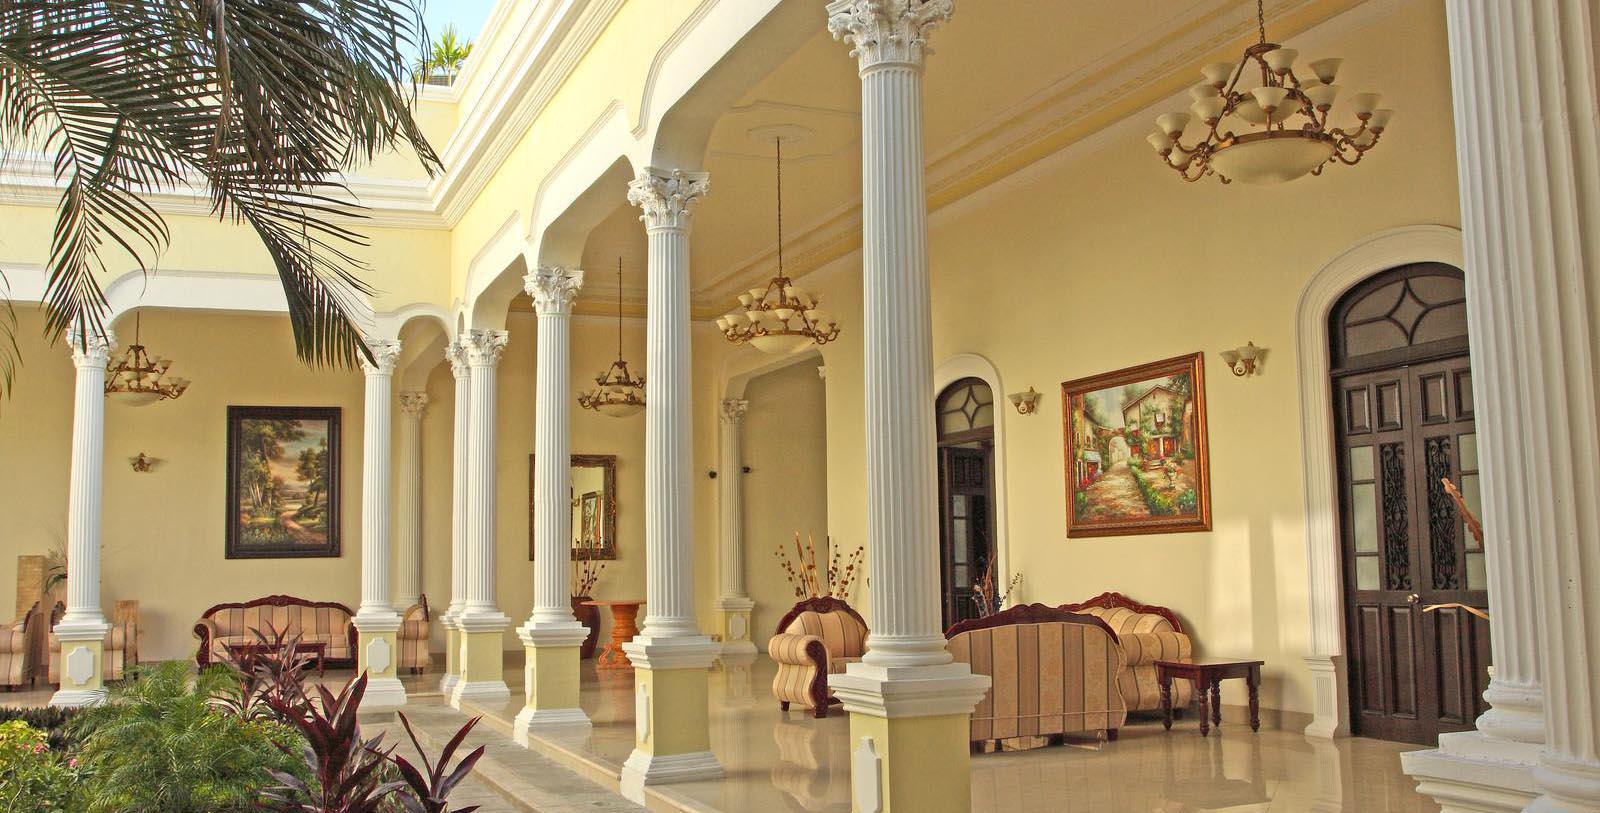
(246, 654)
(1206, 673)
(624, 625)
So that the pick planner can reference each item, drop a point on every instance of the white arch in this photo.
(485, 275)
(1367, 256)
(388, 325)
(972, 365)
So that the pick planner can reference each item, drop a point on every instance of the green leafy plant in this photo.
(160, 744)
(265, 102)
(34, 776)
(56, 723)
(444, 56)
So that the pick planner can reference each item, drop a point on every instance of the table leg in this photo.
(1205, 714)
(1253, 683)
(1216, 701)
(1164, 680)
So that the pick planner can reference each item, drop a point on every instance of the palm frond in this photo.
(266, 103)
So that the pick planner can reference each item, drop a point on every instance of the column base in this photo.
(482, 660)
(452, 654)
(672, 728)
(1471, 772)
(1331, 711)
(550, 677)
(383, 694)
(1568, 786)
(378, 655)
(910, 733)
(82, 662)
(734, 623)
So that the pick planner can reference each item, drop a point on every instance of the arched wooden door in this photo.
(966, 415)
(1402, 389)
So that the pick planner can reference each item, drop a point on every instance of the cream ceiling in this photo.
(1010, 81)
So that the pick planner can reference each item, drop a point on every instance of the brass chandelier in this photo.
(139, 379)
(617, 392)
(779, 318)
(1274, 132)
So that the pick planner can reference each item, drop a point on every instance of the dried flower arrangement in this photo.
(585, 573)
(837, 581)
(985, 595)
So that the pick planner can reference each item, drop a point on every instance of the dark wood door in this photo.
(966, 528)
(1413, 674)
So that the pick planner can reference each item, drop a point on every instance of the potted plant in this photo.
(585, 573)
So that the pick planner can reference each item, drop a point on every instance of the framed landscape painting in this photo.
(1136, 450)
(283, 482)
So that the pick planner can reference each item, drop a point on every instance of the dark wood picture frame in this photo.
(235, 547)
(608, 503)
(1081, 472)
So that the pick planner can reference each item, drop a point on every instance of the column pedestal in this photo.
(82, 664)
(452, 657)
(378, 654)
(482, 661)
(550, 678)
(672, 726)
(734, 625)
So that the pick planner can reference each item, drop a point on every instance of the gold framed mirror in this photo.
(592, 489)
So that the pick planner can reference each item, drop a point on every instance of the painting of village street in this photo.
(282, 482)
(1136, 450)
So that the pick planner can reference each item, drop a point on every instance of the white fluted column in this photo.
(734, 603)
(551, 636)
(456, 354)
(83, 628)
(908, 701)
(376, 621)
(670, 656)
(480, 622)
(408, 530)
(1526, 111)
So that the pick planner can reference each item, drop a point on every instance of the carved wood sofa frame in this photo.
(202, 657)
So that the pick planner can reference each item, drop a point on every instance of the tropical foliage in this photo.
(443, 59)
(262, 103)
(34, 775)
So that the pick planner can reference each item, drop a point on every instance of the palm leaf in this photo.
(264, 103)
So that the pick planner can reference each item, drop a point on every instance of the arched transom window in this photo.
(965, 410)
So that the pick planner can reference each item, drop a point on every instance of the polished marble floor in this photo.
(789, 761)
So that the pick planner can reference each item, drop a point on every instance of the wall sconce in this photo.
(1242, 360)
(143, 464)
(1026, 402)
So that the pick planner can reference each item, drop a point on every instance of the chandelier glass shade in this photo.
(617, 391)
(779, 318)
(1262, 123)
(140, 379)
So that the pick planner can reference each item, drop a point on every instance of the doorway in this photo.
(966, 414)
(1402, 391)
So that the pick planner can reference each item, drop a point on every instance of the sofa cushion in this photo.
(1123, 620)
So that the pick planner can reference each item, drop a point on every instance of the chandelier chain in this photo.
(1261, 20)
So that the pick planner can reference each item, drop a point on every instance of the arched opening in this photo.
(965, 413)
(1403, 408)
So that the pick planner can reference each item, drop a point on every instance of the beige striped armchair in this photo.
(1147, 632)
(1052, 673)
(816, 638)
(414, 655)
(17, 645)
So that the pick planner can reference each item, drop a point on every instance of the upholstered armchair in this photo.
(1147, 633)
(818, 637)
(414, 654)
(119, 649)
(17, 648)
(1052, 673)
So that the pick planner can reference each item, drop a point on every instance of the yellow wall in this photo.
(1102, 259)
(163, 530)
(784, 444)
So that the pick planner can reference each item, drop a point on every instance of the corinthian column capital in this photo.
(91, 349)
(553, 288)
(484, 346)
(667, 197)
(385, 355)
(887, 31)
(456, 353)
(413, 403)
(733, 409)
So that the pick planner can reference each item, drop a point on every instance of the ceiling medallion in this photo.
(1283, 131)
(617, 393)
(139, 379)
(780, 318)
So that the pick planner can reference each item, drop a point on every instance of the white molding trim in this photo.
(972, 365)
(1367, 256)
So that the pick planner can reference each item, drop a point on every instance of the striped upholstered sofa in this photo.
(1052, 672)
(816, 638)
(1147, 632)
(325, 622)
